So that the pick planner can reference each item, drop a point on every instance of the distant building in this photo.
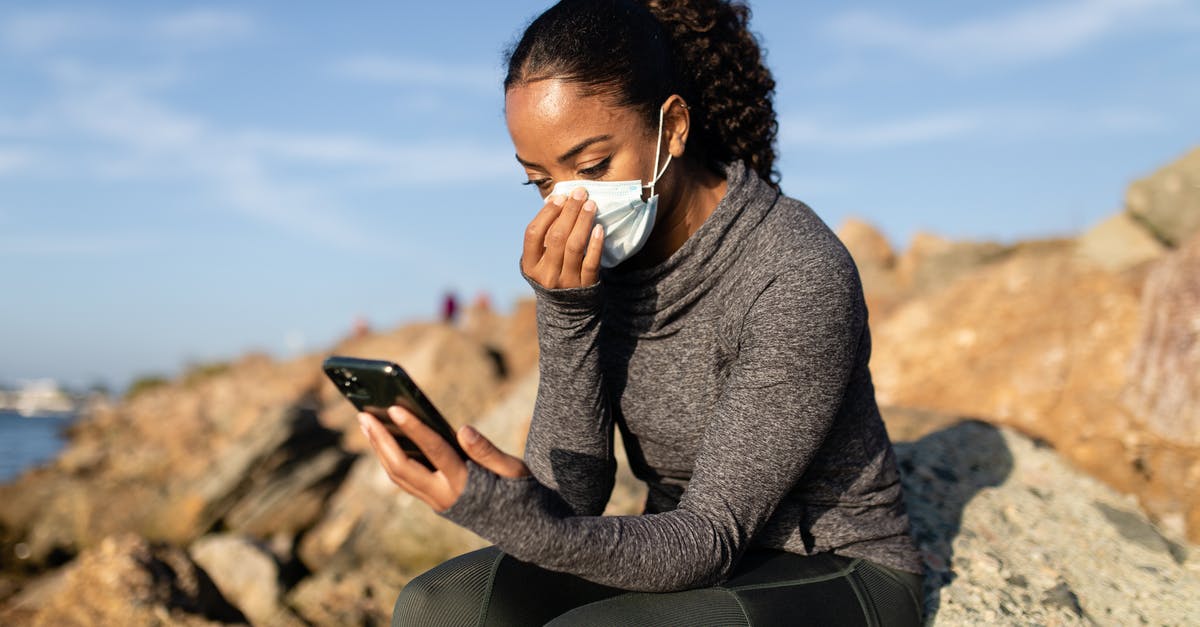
(38, 397)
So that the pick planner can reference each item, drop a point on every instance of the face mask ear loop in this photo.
(658, 151)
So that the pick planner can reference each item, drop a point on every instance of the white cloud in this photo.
(412, 72)
(132, 134)
(13, 160)
(41, 31)
(1042, 31)
(1000, 124)
(203, 26)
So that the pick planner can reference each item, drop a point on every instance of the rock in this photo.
(247, 575)
(512, 339)
(1164, 370)
(1168, 201)
(1041, 342)
(126, 580)
(1119, 243)
(276, 478)
(932, 262)
(360, 597)
(867, 244)
(1011, 534)
(371, 520)
(876, 263)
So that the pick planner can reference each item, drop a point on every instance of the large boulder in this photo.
(247, 575)
(931, 262)
(876, 261)
(126, 580)
(1164, 370)
(1167, 202)
(1012, 535)
(1041, 342)
(272, 480)
(1119, 243)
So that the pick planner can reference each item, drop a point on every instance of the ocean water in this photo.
(26, 442)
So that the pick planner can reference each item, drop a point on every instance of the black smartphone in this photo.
(373, 386)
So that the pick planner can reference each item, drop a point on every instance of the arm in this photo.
(569, 448)
(796, 353)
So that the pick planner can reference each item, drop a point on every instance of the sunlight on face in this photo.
(561, 135)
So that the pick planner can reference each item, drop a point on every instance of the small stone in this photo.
(1062, 596)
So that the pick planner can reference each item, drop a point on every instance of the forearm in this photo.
(676, 550)
(569, 447)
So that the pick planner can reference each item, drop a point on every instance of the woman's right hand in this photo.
(562, 243)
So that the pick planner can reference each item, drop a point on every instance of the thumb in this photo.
(487, 455)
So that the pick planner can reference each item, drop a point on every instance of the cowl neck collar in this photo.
(671, 287)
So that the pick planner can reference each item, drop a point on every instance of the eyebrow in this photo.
(575, 150)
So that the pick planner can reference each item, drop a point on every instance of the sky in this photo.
(182, 183)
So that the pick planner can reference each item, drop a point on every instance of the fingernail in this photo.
(589, 206)
(597, 231)
(397, 414)
(558, 200)
(470, 434)
(579, 193)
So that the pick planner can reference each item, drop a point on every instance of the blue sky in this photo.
(185, 182)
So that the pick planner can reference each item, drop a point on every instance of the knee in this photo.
(452, 593)
(418, 602)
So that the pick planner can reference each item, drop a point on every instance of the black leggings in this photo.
(487, 587)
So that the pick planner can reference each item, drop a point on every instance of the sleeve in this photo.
(570, 444)
(796, 354)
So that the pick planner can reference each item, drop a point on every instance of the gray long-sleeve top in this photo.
(737, 373)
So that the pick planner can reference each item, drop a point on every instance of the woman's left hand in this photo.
(440, 488)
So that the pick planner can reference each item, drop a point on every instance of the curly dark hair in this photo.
(639, 52)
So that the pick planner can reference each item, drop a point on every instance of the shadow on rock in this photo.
(942, 472)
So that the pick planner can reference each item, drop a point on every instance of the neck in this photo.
(690, 193)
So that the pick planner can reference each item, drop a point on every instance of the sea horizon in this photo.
(26, 442)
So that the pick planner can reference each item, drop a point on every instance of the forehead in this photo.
(547, 117)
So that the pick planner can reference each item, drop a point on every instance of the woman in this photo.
(719, 324)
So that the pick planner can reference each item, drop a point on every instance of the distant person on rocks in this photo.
(449, 307)
(719, 324)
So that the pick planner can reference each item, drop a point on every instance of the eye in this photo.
(598, 170)
(540, 183)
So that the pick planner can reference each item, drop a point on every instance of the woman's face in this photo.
(561, 135)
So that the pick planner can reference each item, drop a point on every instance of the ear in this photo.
(677, 121)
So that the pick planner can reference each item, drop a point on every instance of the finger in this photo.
(399, 467)
(556, 236)
(590, 272)
(436, 449)
(535, 233)
(577, 244)
(487, 455)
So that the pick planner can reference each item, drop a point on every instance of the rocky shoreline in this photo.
(1044, 397)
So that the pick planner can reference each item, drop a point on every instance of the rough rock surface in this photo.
(247, 575)
(1164, 377)
(1168, 201)
(1119, 243)
(126, 580)
(1041, 342)
(1012, 535)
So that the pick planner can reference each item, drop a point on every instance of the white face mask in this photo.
(626, 218)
